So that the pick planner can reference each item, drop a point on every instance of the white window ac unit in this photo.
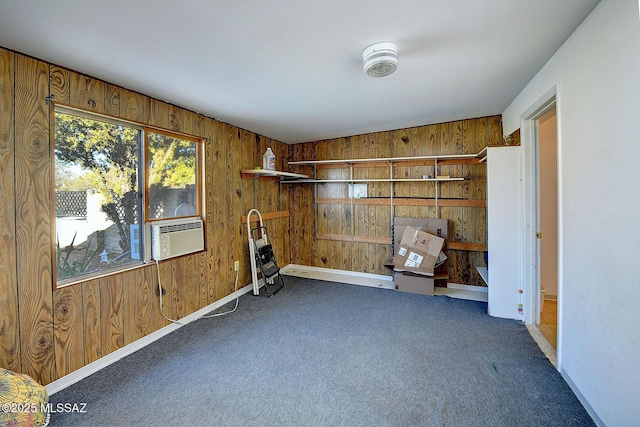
(173, 238)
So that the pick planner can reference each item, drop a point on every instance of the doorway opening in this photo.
(548, 223)
(541, 220)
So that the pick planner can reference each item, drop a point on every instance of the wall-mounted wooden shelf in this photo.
(270, 175)
(386, 159)
(390, 163)
(326, 181)
(263, 173)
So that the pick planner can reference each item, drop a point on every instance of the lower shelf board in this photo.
(403, 201)
(456, 246)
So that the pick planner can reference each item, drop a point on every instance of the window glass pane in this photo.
(171, 176)
(96, 195)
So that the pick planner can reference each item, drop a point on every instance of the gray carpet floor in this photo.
(330, 354)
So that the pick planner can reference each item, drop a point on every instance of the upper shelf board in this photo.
(386, 159)
(283, 175)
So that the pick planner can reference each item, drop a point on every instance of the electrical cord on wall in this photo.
(235, 290)
(160, 290)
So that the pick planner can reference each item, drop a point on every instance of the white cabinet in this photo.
(504, 230)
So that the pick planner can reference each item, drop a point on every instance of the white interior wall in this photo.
(549, 203)
(597, 72)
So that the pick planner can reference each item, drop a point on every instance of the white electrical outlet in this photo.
(236, 266)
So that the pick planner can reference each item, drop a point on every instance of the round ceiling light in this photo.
(380, 59)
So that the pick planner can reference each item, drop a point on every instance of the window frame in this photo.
(142, 190)
(198, 172)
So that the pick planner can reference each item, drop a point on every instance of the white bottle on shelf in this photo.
(269, 160)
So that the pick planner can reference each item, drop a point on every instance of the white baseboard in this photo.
(453, 290)
(581, 398)
(468, 292)
(103, 362)
(342, 276)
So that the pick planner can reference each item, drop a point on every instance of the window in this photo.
(96, 194)
(101, 199)
(172, 176)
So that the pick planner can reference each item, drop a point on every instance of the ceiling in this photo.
(292, 70)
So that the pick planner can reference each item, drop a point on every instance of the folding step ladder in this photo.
(262, 259)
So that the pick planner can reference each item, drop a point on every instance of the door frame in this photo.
(530, 209)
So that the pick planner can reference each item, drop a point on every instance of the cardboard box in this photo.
(418, 252)
(436, 226)
(413, 283)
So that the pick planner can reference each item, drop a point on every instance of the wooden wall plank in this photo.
(370, 149)
(178, 120)
(220, 210)
(470, 144)
(176, 288)
(419, 147)
(401, 147)
(346, 152)
(68, 329)
(112, 100)
(228, 254)
(91, 316)
(111, 314)
(295, 199)
(162, 272)
(322, 247)
(185, 277)
(474, 188)
(190, 266)
(202, 128)
(250, 157)
(59, 84)
(211, 162)
(237, 206)
(432, 135)
(87, 93)
(33, 220)
(309, 206)
(199, 128)
(335, 212)
(138, 295)
(134, 106)
(302, 221)
(285, 257)
(9, 325)
(159, 114)
(382, 226)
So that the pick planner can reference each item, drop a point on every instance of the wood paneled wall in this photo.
(370, 220)
(48, 334)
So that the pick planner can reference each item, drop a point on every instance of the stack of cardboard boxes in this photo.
(417, 248)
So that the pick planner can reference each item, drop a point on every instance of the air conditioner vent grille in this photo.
(173, 228)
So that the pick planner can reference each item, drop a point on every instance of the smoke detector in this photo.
(380, 59)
